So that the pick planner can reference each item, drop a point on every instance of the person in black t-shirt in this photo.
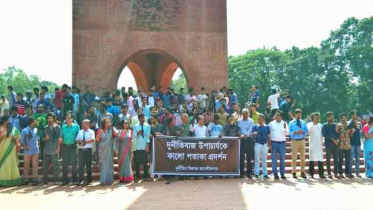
(67, 102)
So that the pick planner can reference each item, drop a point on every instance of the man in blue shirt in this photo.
(215, 129)
(261, 135)
(254, 96)
(298, 131)
(142, 133)
(14, 118)
(29, 141)
(166, 98)
(246, 143)
(145, 107)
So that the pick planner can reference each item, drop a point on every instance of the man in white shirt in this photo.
(85, 139)
(201, 99)
(200, 130)
(279, 130)
(151, 100)
(273, 100)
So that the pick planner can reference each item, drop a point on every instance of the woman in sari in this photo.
(125, 153)
(9, 138)
(106, 139)
(368, 148)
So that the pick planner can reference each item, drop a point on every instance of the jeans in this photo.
(69, 157)
(246, 148)
(47, 160)
(355, 156)
(278, 148)
(85, 160)
(332, 150)
(346, 155)
(261, 151)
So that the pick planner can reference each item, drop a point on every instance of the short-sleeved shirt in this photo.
(54, 133)
(355, 137)
(231, 130)
(86, 135)
(166, 98)
(200, 131)
(274, 101)
(285, 108)
(21, 106)
(263, 132)
(41, 122)
(69, 133)
(254, 96)
(215, 129)
(344, 138)
(366, 129)
(68, 103)
(184, 129)
(157, 129)
(30, 138)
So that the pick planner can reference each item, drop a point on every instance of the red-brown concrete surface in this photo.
(109, 34)
(233, 194)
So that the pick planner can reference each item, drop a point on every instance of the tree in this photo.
(20, 81)
(179, 83)
(337, 77)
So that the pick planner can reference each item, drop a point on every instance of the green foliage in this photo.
(21, 81)
(181, 82)
(336, 77)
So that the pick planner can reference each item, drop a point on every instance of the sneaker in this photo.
(266, 177)
(256, 176)
(295, 175)
(322, 176)
(276, 177)
(330, 176)
(358, 176)
(341, 177)
(338, 177)
(283, 177)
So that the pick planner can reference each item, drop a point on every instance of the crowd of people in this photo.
(88, 129)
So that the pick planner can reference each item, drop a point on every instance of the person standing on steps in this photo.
(279, 130)
(261, 134)
(316, 145)
(298, 132)
(329, 131)
(246, 143)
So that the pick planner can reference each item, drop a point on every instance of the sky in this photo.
(36, 35)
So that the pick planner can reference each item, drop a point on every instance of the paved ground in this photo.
(197, 194)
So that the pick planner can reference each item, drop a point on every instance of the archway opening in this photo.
(152, 68)
(179, 81)
(126, 79)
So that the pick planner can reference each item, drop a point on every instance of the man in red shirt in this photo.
(59, 95)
